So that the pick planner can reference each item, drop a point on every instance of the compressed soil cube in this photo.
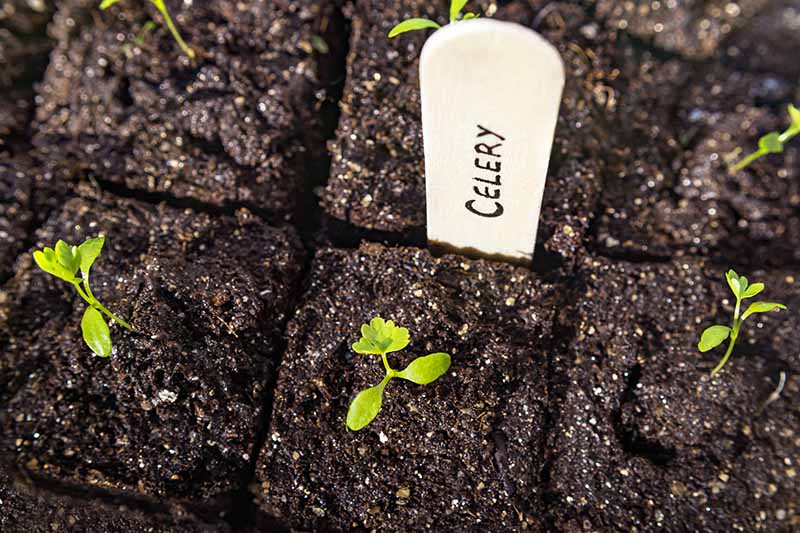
(233, 126)
(457, 454)
(377, 177)
(688, 202)
(24, 49)
(175, 410)
(25, 509)
(643, 439)
(692, 28)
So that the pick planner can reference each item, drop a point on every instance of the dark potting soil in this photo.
(28, 195)
(24, 49)
(16, 210)
(643, 439)
(694, 29)
(176, 409)
(236, 126)
(459, 454)
(26, 509)
(768, 42)
(675, 196)
(575, 403)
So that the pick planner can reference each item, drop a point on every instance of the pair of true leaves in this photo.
(381, 337)
(64, 263)
(716, 335)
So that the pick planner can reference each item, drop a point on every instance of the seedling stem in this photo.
(159, 5)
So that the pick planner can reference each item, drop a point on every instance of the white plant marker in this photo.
(490, 97)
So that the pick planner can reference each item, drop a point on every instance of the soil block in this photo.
(26, 509)
(459, 453)
(666, 202)
(24, 49)
(235, 126)
(377, 177)
(174, 412)
(643, 439)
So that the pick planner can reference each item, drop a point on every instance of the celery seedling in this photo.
(716, 335)
(64, 263)
(774, 142)
(456, 6)
(381, 337)
(159, 4)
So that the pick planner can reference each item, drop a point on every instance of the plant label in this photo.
(490, 97)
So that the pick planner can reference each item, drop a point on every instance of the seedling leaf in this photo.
(68, 257)
(47, 261)
(713, 337)
(762, 307)
(455, 8)
(381, 337)
(105, 4)
(89, 251)
(794, 113)
(753, 290)
(411, 25)
(365, 406)
(424, 370)
(470, 16)
(733, 281)
(319, 44)
(96, 332)
(771, 143)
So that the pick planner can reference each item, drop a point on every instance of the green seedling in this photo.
(716, 335)
(456, 7)
(159, 4)
(146, 29)
(64, 263)
(381, 337)
(774, 142)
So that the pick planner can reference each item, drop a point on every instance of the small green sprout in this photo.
(381, 337)
(456, 6)
(146, 29)
(64, 263)
(774, 142)
(159, 4)
(716, 335)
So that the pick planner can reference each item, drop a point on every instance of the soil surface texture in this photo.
(263, 200)
(24, 49)
(25, 508)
